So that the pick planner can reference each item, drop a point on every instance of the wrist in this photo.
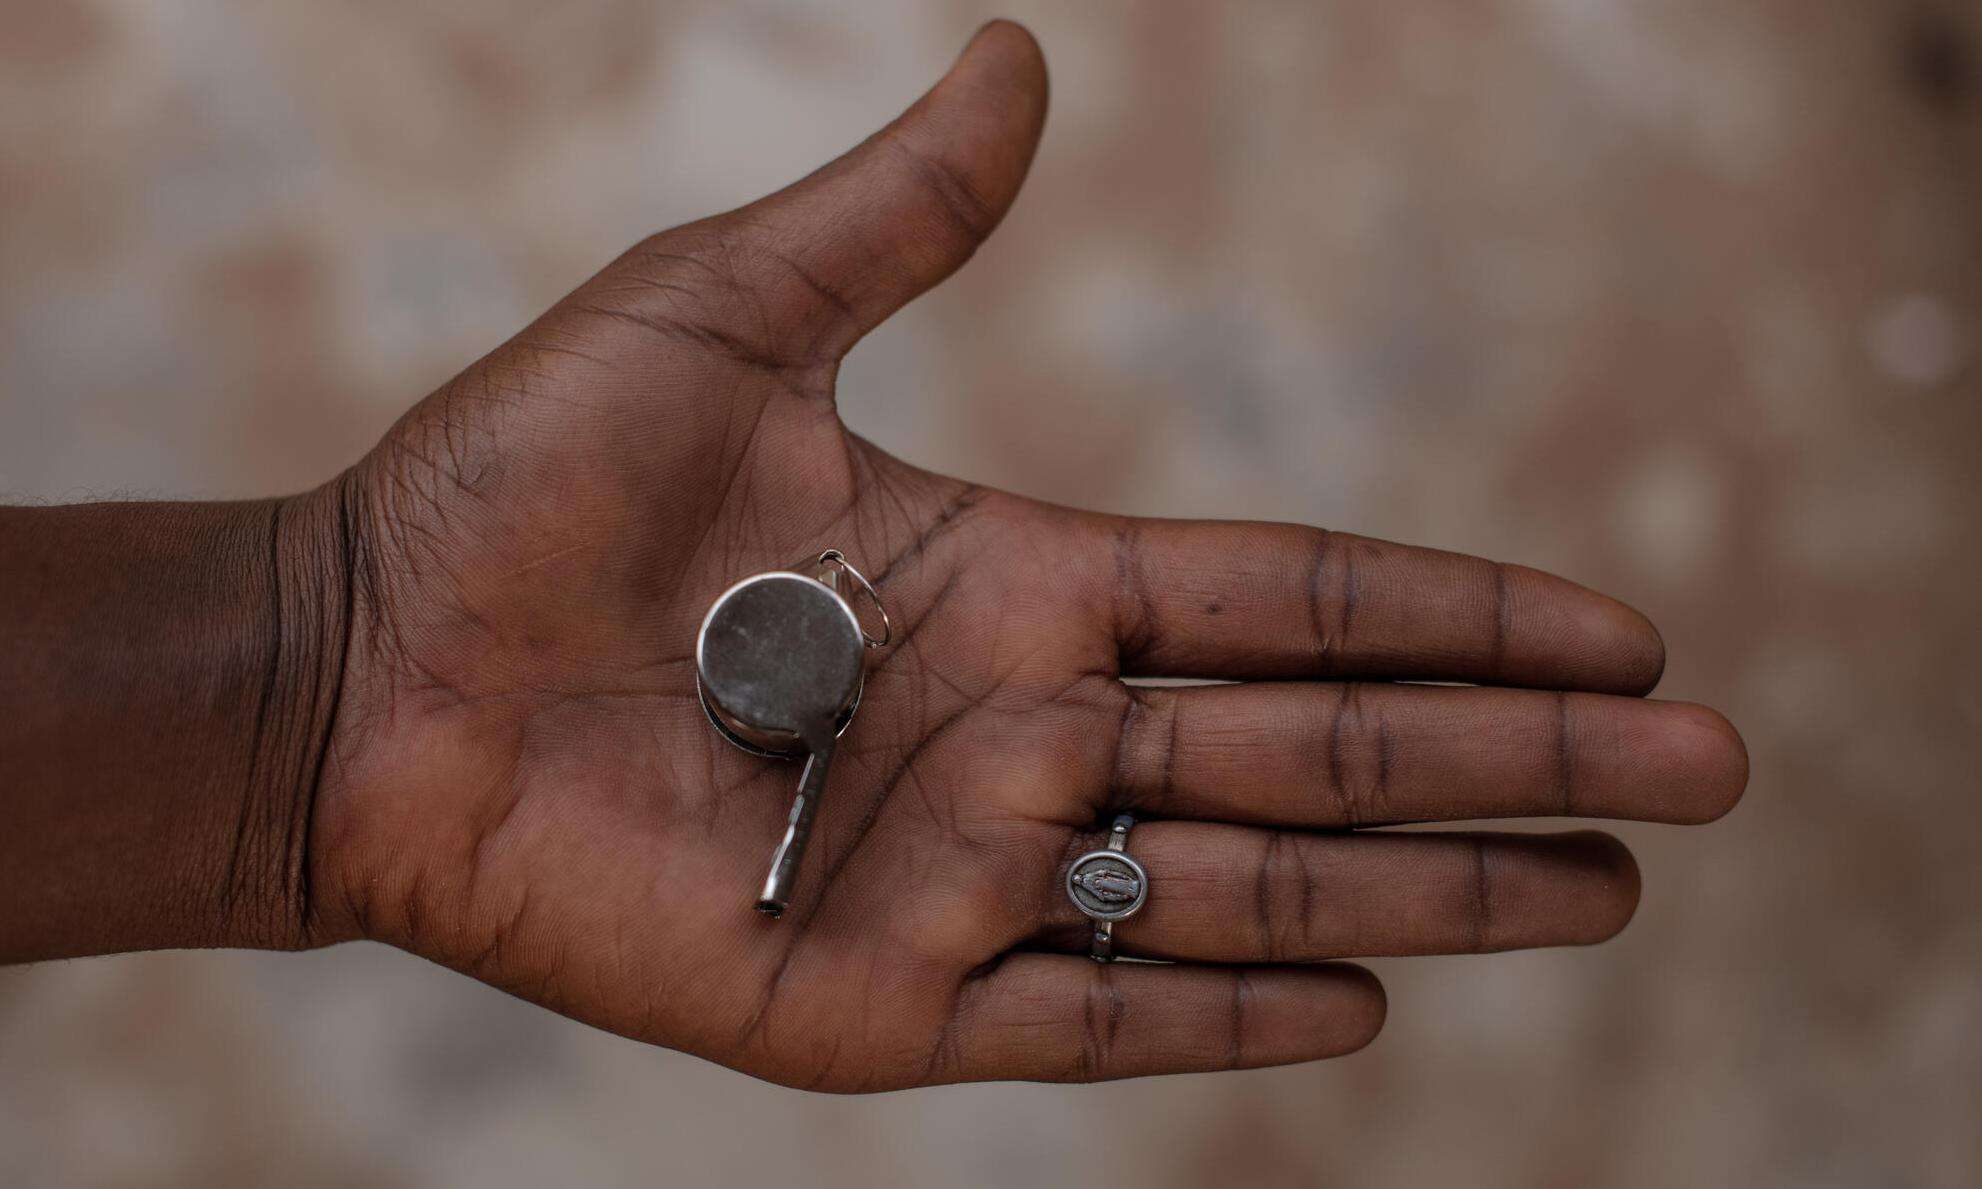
(169, 677)
(271, 899)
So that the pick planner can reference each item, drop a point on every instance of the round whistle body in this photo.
(779, 658)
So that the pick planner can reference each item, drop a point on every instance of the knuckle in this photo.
(1360, 752)
(1476, 908)
(955, 199)
(1331, 595)
(1268, 921)
(1239, 1023)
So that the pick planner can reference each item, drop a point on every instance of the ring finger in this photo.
(1224, 893)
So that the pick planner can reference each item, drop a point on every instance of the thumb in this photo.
(831, 256)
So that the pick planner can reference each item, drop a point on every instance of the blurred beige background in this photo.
(1678, 299)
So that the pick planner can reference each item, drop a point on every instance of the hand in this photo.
(520, 784)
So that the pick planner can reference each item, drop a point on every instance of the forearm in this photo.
(168, 680)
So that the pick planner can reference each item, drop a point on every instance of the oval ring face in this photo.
(1107, 885)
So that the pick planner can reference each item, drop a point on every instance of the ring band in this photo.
(1107, 886)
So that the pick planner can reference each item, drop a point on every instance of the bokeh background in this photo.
(1679, 299)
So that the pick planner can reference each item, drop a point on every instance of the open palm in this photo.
(522, 786)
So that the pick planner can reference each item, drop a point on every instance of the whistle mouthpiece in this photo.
(784, 870)
(798, 828)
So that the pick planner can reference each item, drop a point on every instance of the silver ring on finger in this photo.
(1107, 885)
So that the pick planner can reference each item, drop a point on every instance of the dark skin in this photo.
(447, 702)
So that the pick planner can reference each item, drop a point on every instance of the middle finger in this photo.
(1329, 755)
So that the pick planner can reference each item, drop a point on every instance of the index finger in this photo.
(1243, 600)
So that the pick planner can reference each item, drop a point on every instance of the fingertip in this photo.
(1644, 660)
(1609, 863)
(1579, 887)
(1608, 855)
(1368, 1006)
(1708, 745)
(1319, 1011)
(1008, 33)
(1004, 56)
(1560, 634)
(1627, 644)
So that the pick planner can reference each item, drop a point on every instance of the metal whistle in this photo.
(779, 665)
